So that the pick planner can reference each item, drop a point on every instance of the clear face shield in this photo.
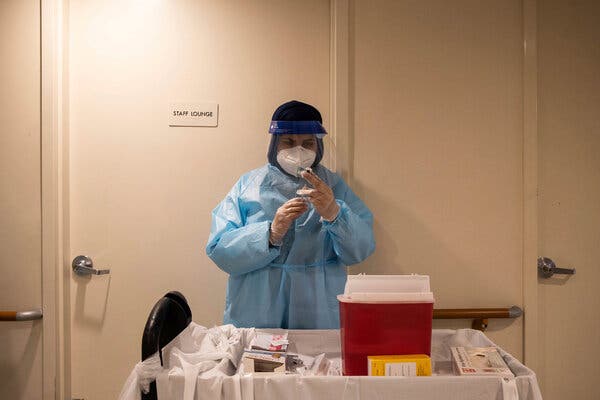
(302, 135)
(329, 153)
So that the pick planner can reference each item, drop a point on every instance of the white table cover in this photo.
(442, 385)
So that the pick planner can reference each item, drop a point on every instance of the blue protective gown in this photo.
(293, 286)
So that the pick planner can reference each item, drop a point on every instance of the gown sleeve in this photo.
(352, 230)
(236, 247)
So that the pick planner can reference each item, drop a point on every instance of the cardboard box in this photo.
(400, 365)
(473, 361)
(263, 361)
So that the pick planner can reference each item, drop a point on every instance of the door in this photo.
(569, 197)
(141, 192)
(20, 204)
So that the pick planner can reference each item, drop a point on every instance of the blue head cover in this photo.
(295, 117)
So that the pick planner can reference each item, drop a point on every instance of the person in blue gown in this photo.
(287, 230)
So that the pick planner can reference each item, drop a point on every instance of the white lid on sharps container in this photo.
(387, 289)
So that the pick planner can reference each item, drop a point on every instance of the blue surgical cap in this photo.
(296, 117)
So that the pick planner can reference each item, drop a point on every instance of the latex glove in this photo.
(285, 215)
(321, 196)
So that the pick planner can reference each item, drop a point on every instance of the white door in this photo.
(141, 192)
(569, 197)
(20, 205)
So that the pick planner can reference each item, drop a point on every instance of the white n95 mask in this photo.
(295, 159)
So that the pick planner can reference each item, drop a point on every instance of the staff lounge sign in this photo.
(193, 114)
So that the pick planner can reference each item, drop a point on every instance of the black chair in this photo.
(168, 318)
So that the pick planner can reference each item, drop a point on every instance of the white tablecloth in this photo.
(442, 385)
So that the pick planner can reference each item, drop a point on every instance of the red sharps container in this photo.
(384, 315)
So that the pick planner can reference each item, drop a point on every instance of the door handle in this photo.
(547, 268)
(29, 315)
(83, 266)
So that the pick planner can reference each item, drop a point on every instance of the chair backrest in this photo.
(168, 318)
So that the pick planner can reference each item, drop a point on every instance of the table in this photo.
(442, 385)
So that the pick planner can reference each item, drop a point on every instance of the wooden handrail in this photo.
(21, 315)
(8, 315)
(479, 316)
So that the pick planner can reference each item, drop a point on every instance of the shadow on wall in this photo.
(17, 377)
(494, 324)
(91, 314)
(404, 244)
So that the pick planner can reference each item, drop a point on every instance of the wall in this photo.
(436, 125)
(20, 199)
(438, 112)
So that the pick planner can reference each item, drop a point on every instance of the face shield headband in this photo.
(298, 128)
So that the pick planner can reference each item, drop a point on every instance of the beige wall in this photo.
(438, 113)
(20, 198)
(436, 139)
(436, 93)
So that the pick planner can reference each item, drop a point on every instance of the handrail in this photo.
(480, 316)
(29, 315)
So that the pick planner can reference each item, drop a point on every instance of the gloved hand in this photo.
(285, 215)
(321, 196)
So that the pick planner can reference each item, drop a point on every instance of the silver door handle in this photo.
(547, 268)
(29, 315)
(83, 266)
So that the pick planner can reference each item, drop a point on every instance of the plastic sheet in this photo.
(139, 380)
(197, 352)
(215, 383)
